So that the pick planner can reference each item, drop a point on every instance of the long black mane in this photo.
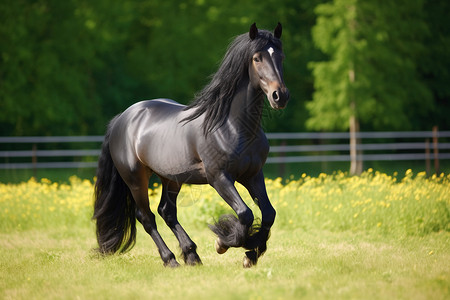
(215, 99)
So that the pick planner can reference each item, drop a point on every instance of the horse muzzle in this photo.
(278, 97)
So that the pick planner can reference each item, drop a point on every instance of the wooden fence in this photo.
(46, 152)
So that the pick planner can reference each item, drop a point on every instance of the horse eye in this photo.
(256, 59)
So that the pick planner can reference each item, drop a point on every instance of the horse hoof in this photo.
(250, 259)
(192, 259)
(172, 264)
(194, 263)
(247, 262)
(219, 248)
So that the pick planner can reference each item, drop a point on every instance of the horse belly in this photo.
(172, 158)
(182, 172)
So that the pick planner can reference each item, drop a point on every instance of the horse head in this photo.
(266, 68)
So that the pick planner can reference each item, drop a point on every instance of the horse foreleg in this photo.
(257, 190)
(231, 231)
(168, 210)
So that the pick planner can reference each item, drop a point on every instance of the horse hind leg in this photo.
(168, 210)
(139, 189)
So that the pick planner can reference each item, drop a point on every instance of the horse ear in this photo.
(278, 30)
(253, 31)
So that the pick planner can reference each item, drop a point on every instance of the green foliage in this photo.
(52, 53)
(372, 72)
(67, 67)
(435, 66)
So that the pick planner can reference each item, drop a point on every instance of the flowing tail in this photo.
(114, 208)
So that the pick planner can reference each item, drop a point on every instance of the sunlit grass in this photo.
(335, 236)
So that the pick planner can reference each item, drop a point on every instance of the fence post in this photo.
(436, 149)
(282, 166)
(427, 157)
(356, 163)
(34, 160)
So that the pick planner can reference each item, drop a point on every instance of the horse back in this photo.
(150, 134)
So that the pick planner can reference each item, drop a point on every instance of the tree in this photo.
(67, 67)
(51, 54)
(371, 78)
(435, 66)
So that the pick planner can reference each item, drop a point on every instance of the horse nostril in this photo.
(275, 96)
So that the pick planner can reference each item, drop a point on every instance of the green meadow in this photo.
(336, 236)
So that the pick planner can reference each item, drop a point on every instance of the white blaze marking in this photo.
(271, 51)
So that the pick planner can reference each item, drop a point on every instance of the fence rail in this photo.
(285, 148)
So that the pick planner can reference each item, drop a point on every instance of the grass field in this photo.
(335, 237)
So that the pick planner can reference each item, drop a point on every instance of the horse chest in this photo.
(236, 157)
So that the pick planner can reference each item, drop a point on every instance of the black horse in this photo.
(216, 140)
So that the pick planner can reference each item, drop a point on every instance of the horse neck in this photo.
(246, 109)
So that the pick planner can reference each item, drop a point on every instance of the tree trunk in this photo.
(356, 164)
